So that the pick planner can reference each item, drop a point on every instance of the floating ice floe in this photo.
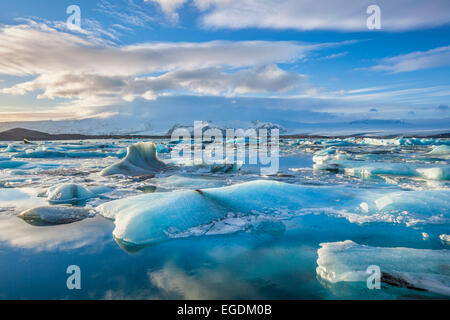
(69, 193)
(154, 217)
(369, 169)
(50, 215)
(399, 141)
(141, 159)
(420, 269)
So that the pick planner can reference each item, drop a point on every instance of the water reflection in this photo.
(15, 232)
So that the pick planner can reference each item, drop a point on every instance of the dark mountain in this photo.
(19, 134)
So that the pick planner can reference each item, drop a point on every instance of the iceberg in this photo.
(11, 149)
(51, 215)
(188, 182)
(68, 193)
(420, 269)
(440, 150)
(141, 159)
(153, 217)
(366, 169)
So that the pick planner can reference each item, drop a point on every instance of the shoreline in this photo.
(19, 134)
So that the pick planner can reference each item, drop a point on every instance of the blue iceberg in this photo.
(155, 217)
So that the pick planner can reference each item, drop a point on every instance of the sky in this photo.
(291, 61)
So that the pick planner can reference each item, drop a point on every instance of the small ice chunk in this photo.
(146, 218)
(50, 215)
(364, 206)
(440, 150)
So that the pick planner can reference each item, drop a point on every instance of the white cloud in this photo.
(346, 15)
(413, 61)
(205, 81)
(95, 73)
(127, 12)
(36, 48)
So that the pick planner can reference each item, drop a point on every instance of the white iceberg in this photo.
(69, 192)
(50, 215)
(440, 150)
(421, 269)
(152, 217)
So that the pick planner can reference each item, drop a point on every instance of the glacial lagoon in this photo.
(140, 226)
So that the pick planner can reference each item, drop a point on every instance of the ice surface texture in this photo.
(153, 217)
(421, 269)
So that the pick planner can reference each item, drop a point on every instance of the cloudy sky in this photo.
(183, 60)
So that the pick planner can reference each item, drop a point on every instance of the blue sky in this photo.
(304, 61)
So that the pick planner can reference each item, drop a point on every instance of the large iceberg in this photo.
(370, 169)
(70, 193)
(141, 159)
(10, 149)
(154, 217)
(420, 269)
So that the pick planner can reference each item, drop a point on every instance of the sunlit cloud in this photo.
(345, 15)
(438, 57)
